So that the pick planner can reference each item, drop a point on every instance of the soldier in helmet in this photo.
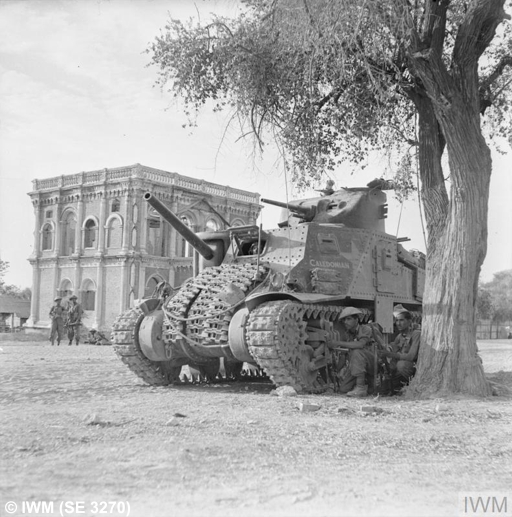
(404, 349)
(74, 320)
(95, 337)
(57, 319)
(358, 340)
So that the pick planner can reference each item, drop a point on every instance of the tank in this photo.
(273, 298)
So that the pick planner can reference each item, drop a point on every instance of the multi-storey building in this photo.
(97, 238)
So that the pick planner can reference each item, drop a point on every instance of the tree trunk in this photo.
(448, 362)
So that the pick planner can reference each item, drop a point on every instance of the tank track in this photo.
(276, 331)
(125, 344)
(208, 321)
(277, 337)
(206, 315)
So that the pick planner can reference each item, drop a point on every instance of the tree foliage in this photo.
(12, 290)
(329, 80)
(495, 297)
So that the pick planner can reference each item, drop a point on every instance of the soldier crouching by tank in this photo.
(74, 320)
(404, 350)
(360, 356)
(57, 319)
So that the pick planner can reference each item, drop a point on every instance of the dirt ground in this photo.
(80, 431)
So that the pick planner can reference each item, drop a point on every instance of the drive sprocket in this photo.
(125, 342)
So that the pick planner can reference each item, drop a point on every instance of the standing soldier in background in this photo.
(74, 321)
(57, 319)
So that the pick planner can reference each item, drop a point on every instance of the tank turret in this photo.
(352, 207)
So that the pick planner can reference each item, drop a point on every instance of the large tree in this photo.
(332, 79)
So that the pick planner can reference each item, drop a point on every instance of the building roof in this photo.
(11, 305)
(122, 174)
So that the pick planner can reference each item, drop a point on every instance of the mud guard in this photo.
(251, 302)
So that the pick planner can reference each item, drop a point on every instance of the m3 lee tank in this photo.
(273, 298)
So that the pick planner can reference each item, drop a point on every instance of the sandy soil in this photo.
(79, 430)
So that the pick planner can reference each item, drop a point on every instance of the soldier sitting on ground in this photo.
(360, 356)
(95, 337)
(404, 349)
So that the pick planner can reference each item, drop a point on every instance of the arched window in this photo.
(156, 235)
(47, 240)
(88, 295)
(66, 288)
(237, 222)
(90, 233)
(185, 249)
(68, 234)
(212, 225)
(115, 206)
(153, 234)
(114, 233)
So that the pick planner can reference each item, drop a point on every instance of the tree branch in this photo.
(486, 96)
(486, 83)
(435, 31)
(477, 30)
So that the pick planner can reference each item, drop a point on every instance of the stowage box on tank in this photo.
(273, 298)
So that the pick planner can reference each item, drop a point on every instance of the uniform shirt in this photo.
(75, 314)
(407, 345)
(56, 312)
(361, 333)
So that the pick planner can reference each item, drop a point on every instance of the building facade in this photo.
(97, 238)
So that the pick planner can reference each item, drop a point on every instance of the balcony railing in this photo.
(146, 173)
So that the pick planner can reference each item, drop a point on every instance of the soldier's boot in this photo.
(397, 383)
(358, 391)
(70, 343)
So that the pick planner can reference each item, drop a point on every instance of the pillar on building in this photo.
(127, 223)
(143, 218)
(99, 303)
(79, 223)
(125, 280)
(34, 301)
(34, 261)
(58, 229)
(102, 221)
(37, 232)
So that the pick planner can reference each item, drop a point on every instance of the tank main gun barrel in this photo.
(195, 241)
(305, 211)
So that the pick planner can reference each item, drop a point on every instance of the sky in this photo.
(76, 94)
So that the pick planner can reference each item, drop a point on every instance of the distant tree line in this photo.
(494, 300)
(12, 290)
